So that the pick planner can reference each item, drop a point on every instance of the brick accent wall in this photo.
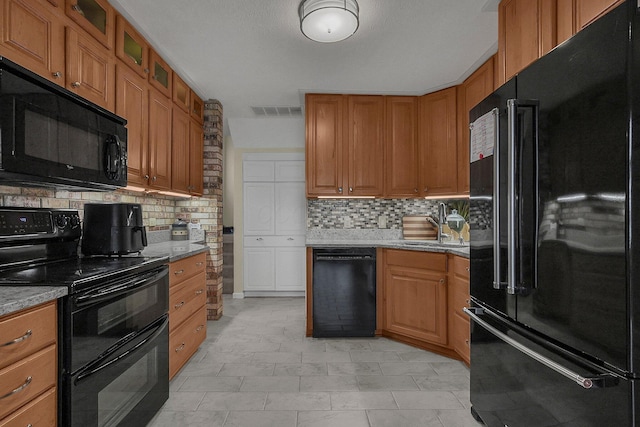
(213, 137)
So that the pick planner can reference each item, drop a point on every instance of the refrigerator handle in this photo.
(512, 120)
(596, 381)
(497, 280)
(513, 213)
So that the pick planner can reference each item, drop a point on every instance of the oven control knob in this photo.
(74, 221)
(61, 221)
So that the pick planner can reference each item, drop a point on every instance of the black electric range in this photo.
(113, 358)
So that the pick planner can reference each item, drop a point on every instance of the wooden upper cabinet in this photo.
(401, 147)
(438, 143)
(324, 144)
(132, 103)
(160, 75)
(526, 31)
(131, 47)
(159, 140)
(574, 15)
(90, 69)
(196, 158)
(96, 17)
(197, 108)
(180, 151)
(181, 92)
(365, 138)
(474, 89)
(588, 11)
(33, 37)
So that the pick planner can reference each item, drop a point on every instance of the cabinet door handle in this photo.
(77, 8)
(426, 189)
(259, 239)
(19, 339)
(339, 189)
(441, 281)
(57, 74)
(350, 189)
(199, 328)
(178, 272)
(180, 304)
(290, 238)
(146, 70)
(468, 301)
(180, 348)
(18, 390)
(467, 268)
(146, 177)
(199, 291)
(415, 190)
(199, 264)
(75, 85)
(154, 178)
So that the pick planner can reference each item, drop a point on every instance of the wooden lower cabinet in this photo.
(187, 310)
(423, 294)
(415, 295)
(458, 299)
(28, 367)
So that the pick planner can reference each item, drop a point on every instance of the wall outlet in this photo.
(382, 221)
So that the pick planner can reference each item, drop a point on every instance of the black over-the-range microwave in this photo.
(54, 138)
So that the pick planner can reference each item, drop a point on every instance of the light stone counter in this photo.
(174, 249)
(320, 238)
(16, 298)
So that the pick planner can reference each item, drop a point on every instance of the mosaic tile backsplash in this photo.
(365, 213)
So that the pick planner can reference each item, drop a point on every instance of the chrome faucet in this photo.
(442, 219)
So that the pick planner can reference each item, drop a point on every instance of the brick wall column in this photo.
(213, 137)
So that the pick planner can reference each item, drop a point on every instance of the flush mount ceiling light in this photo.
(328, 21)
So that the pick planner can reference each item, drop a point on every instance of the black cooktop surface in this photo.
(79, 273)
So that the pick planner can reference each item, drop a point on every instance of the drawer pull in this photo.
(468, 268)
(178, 272)
(180, 304)
(467, 301)
(259, 239)
(199, 291)
(290, 238)
(199, 264)
(19, 339)
(199, 328)
(19, 389)
(180, 348)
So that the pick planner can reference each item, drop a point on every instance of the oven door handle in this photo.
(103, 294)
(101, 362)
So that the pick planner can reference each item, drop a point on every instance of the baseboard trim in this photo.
(238, 295)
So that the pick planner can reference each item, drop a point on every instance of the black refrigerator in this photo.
(555, 248)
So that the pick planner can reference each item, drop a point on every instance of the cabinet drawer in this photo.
(459, 296)
(460, 336)
(27, 332)
(41, 412)
(186, 267)
(415, 259)
(26, 379)
(185, 298)
(267, 241)
(185, 340)
(460, 266)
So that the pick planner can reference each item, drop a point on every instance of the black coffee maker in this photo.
(113, 229)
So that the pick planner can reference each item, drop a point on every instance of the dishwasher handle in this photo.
(345, 257)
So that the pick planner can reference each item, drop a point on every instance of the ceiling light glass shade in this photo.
(328, 21)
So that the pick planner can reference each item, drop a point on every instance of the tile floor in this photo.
(257, 369)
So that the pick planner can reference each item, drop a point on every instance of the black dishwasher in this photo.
(344, 292)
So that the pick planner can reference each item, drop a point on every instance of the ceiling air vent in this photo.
(274, 111)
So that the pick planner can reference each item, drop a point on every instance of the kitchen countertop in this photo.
(16, 298)
(175, 249)
(412, 245)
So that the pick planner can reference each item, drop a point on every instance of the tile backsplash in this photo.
(365, 213)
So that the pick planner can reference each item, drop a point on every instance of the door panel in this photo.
(580, 295)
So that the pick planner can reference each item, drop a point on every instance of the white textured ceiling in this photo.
(251, 52)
